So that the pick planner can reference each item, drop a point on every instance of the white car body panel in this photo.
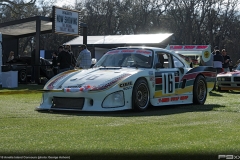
(91, 87)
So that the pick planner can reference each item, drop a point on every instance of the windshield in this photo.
(126, 58)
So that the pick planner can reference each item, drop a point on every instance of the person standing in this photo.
(73, 59)
(64, 59)
(84, 59)
(217, 64)
(226, 60)
(54, 63)
(216, 48)
(11, 56)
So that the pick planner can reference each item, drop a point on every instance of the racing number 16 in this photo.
(168, 83)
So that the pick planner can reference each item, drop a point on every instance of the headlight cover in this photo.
(221, 79)
(114, 100)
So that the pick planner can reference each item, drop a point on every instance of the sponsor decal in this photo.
(127, 88)
(188, 47)
(139, 51)
(128, 51)
(82, 89)
(125, 84)
(172, 99)
(143, 51)
(76, 86)
(151, 78)
(176, 47)
(150, 72)
(202, 47)
(163, 100)
(206, 54)
(113, 52)
(183, 98)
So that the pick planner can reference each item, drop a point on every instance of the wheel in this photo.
(199, 90)
(140, 95)
(22, 76)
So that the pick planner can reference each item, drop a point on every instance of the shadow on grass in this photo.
(220, 93)
(230, 92)
(215, 94)
(22, 87)
(151, 111)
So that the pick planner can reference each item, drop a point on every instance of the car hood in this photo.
(234, 73)
(90, 79)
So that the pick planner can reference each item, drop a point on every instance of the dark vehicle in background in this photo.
(24, 67)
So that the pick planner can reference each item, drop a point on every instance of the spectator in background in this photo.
(11, 56)
(216, 48)
(63, 60)
(54, 63)
(226, 61)
(217, 64)
(84, 59)
(73, 59)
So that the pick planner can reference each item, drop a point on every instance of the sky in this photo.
(60, 3)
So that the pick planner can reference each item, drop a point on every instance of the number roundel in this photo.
(168, 83)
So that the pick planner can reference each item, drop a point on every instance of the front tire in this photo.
(140, 95)
(199, 90)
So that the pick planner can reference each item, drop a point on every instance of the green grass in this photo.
(184, 130)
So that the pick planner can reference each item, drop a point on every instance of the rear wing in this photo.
(201, 51)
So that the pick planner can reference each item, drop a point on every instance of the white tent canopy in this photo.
(122, 39)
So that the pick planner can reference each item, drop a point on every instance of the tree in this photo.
(16, 6)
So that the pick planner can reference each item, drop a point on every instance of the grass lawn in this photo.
(183, 132)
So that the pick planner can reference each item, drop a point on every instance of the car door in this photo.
(167, 77)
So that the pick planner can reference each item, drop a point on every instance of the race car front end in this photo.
(83, 101)
(88, 90)
(228, 80)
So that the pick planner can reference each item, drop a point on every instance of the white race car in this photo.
(229, 80)
(129, 78)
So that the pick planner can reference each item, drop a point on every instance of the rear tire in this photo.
(140, 95)
(199, 90)
(22, 76)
